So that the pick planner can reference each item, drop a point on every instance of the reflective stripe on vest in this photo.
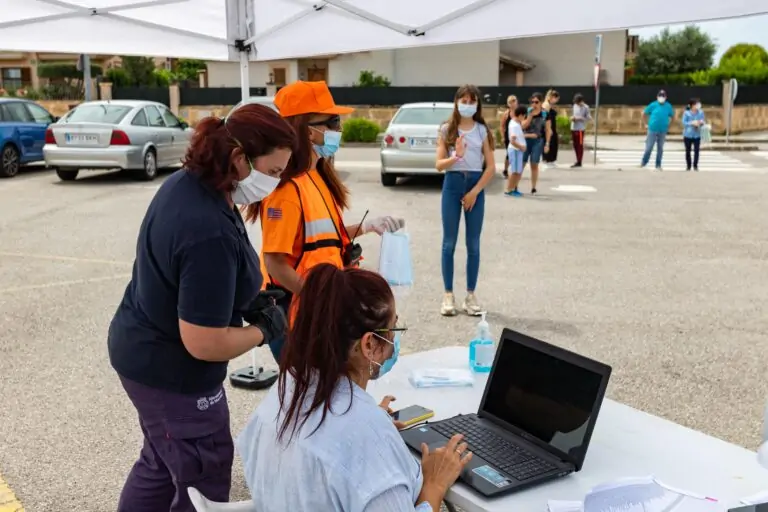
(320, 233)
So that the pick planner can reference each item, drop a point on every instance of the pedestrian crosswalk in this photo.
(760, 154)
(674, 160)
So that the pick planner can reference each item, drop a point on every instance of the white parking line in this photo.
(709, 161)
(369, 164)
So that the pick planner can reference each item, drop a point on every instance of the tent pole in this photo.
(87, 77)
(245, 76)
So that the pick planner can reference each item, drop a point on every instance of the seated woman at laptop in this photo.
(318, 441)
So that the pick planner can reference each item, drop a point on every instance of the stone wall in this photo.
(619, 120)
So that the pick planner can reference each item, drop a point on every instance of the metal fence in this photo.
(215, 95)
(633, 95)
(158, 94)
(752, 95)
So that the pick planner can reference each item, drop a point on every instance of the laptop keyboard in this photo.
(509, 457)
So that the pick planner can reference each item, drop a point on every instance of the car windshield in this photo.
(111, 114)
(426, 115)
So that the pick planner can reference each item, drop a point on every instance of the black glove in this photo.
(265, 314)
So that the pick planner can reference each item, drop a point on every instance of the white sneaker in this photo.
(552, 165)
(471, 307)
(449, 305)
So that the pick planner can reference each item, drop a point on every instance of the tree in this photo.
(753, 52)
(371, 79)
(669, 53)
(140, 71)
(188, 69)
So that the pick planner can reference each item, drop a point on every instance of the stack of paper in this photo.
(756, 499)
(564, 506)
(638, 495)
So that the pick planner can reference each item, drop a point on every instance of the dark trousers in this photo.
(551, 156)
(578, 144)
(187, 443)
(691, 144)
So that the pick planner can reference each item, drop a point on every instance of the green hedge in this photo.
(61, 71)
(360, 130)
(564, 130)
(757, 76)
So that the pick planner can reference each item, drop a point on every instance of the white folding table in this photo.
(626, 443)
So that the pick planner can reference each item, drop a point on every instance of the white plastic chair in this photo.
(762, 452)
(203, 504)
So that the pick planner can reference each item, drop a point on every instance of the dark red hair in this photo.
(300, 162)
(256, 129)
(334, 309)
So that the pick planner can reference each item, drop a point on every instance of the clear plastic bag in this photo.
(395, 263)
(441, 378)
(706, 133)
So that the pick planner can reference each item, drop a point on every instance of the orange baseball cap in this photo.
(307, 98)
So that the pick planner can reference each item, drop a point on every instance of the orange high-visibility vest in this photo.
(322, 240)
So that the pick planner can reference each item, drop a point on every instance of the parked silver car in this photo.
(142, 136)
(409, 143)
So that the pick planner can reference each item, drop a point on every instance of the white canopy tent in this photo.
(280, 29)
(301, 28)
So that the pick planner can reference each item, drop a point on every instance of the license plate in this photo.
(76, 138)
(417, 142)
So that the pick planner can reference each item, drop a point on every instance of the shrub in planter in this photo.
(360, 130)
(564, 129)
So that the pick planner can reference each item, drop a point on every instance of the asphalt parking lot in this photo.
(661, 275)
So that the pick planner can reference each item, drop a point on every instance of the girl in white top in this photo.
(465, 153)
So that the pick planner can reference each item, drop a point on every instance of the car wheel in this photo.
(388, 179)
(10, 163)
(149, 172)
(67, 175)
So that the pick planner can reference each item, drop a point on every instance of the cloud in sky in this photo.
(725, 32)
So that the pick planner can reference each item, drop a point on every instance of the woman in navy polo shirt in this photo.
(195, 278)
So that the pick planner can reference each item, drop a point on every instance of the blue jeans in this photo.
(657, 138)
(455, 186)
(534, 148)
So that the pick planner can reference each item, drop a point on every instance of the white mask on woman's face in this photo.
(254, 188)
(697, 106)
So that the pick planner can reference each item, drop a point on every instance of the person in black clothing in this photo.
(196, 277)
(551, 100)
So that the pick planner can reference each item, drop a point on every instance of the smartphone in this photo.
(412, 415)
(762, 507)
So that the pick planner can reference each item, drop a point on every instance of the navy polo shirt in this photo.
(194, 262)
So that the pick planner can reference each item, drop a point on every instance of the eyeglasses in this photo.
(332, 123)
(535, 102)
(402, 328)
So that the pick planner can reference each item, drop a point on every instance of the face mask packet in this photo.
(441, 378)
(395, 264)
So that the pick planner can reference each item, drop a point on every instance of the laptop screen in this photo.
(545, 395)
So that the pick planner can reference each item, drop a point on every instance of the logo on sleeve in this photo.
(275, 213)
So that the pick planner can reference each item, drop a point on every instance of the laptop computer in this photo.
(535, 420)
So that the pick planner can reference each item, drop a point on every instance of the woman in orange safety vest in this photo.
(301, 221)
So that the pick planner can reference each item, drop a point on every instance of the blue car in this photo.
(22, 134)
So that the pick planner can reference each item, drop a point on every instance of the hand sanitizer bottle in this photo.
(481, 351)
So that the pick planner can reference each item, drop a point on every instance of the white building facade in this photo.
(566, 60)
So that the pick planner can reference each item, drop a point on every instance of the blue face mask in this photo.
(387, 365)
(331, 141)
(467, 110)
